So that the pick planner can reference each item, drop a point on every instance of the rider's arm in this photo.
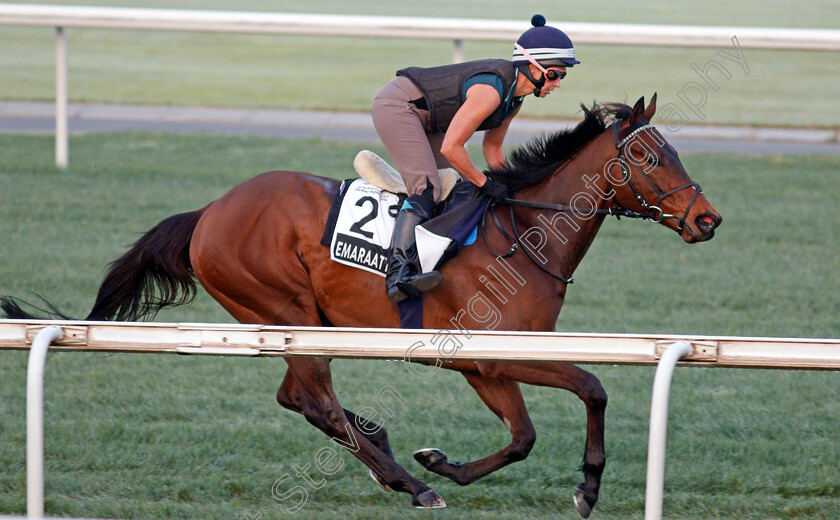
(493, 141)
(481, 101)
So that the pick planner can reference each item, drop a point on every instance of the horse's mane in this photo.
(534, 162)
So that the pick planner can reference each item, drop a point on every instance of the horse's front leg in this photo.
(505, 400)
(587, 387)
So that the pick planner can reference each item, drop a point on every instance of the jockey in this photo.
(426, 115)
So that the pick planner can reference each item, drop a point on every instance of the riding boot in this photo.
(404, 278)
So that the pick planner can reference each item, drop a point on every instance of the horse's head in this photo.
(647, 176)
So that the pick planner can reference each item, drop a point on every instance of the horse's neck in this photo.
(579, 183)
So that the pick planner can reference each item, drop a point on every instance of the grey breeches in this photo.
(402, 128)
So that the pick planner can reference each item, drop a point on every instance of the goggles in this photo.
(551, 74)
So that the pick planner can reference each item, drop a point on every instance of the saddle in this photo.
(376, 171)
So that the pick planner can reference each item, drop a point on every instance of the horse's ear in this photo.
(651, 108)
(638, 110)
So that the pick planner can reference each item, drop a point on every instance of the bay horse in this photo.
(257, 251)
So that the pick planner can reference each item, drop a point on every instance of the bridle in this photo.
(651, 212)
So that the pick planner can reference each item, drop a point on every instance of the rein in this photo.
(615, 211)
(651, 212)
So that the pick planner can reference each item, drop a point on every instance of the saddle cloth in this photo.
(362, 226)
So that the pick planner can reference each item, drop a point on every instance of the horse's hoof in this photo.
(379, 481)
(428, 499)
(429, 457)
(583, 503)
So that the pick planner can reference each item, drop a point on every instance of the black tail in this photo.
(153, 274)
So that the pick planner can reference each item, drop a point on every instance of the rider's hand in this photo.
(496, 191)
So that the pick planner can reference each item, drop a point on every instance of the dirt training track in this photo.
(32, 117)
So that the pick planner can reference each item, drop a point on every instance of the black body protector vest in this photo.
(443, 89)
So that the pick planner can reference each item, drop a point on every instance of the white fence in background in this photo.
(257, 340)
(410, 27)
(455, 29)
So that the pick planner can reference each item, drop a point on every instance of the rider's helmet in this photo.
(543, 46)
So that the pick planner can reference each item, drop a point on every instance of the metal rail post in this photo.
(659, 427)
(61, 146)
(458, 55)
(35, 419)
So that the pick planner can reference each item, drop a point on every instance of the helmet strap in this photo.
(537, 83)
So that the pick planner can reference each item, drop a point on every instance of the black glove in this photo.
(496, 191)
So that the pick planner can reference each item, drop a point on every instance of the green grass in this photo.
(134, 436)
(782, 87)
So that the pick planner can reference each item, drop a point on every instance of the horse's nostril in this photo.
(707, 222)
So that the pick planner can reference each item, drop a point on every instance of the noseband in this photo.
(652, 212)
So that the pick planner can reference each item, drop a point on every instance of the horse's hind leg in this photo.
(320, 406)
(289, 398)
(504, 398)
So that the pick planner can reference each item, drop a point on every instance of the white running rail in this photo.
(259, 340)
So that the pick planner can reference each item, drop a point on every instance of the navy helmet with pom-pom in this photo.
(547, 45)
